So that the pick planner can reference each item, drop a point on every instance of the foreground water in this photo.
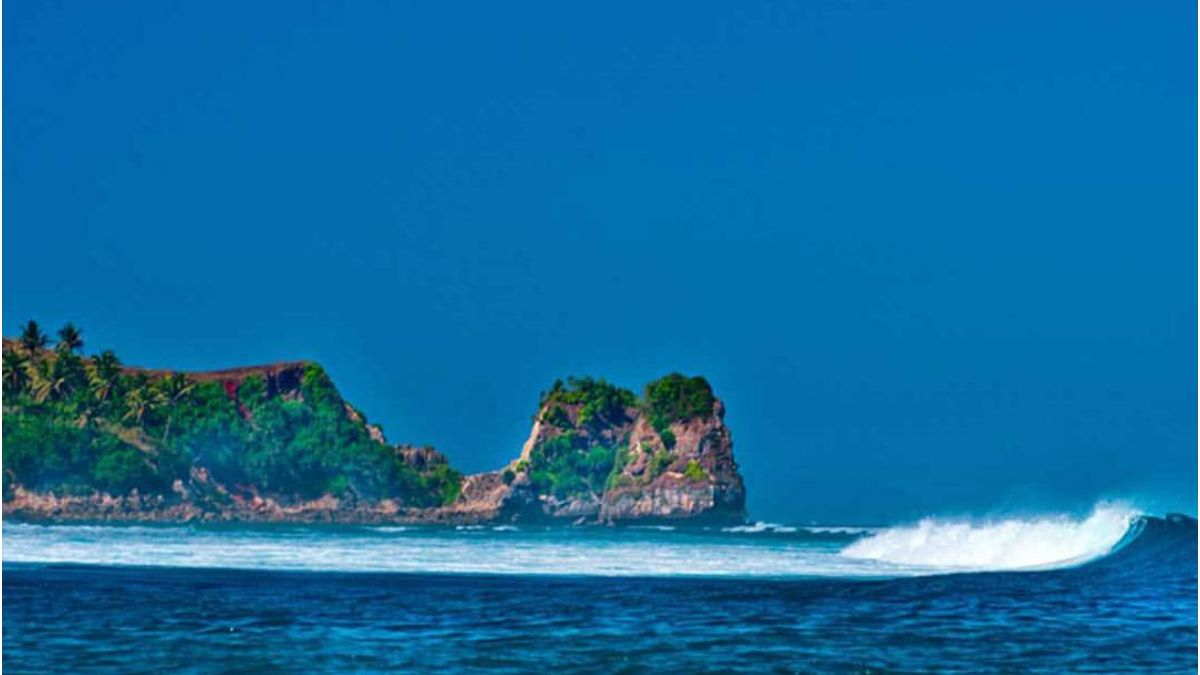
(1105, 593)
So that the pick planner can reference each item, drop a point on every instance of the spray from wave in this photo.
(1008, 544)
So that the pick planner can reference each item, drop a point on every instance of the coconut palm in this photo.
(140, 402)
(103, 374)
(173, 390)
(33, 340)
(16, 371)
(70, 338)
(50, 385)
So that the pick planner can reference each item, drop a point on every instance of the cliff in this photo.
(86, 438)
(597, 453)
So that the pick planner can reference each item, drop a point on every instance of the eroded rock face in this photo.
(696, 479)
(685, 473)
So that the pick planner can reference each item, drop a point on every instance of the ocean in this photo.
(1106, 592)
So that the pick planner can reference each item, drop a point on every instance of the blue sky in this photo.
(935, 257)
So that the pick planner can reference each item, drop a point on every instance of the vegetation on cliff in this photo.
(598, 403)
(586, 446)
(75, 424)
(578, 449)
(676, 398)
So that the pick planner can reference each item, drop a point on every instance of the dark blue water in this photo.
(1133, 610)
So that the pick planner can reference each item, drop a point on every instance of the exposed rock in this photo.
(714, 491)
(696, 479)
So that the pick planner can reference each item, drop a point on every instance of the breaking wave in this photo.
(1007, 544)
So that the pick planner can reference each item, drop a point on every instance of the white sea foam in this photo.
(929, 547)
(758, 527)
(999, 544)
(821, 529)
(592, 552)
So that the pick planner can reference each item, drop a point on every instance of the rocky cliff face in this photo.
(598, 454)
(696, 479)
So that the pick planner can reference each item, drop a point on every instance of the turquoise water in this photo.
(1110, 591)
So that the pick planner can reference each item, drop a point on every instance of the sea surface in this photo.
(1109, 591)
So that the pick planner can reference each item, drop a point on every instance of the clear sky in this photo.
(935, 257)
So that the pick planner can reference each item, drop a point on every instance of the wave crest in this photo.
(1008, 544)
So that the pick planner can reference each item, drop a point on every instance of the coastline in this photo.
(25, 506)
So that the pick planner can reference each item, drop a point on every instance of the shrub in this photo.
(668, 438)
(557, 417)
(598, 401)
(693, 472)
(570, 464)
(659, 463)
(444, 483)
(121, 468)
(620, 461)
(676, 398)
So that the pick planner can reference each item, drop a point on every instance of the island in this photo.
(89, 439)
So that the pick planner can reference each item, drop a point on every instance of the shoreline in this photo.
(100, 508)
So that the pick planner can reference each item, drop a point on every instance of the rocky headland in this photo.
(88, 439)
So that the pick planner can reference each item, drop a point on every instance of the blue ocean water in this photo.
(1112, 591)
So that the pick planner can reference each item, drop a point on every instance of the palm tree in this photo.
(64, 375)
(70, 338)
(174, 389)
(16, 371)
(33, 340)
(142, 401)
(138, 403)
(51, 384)
(102, 377)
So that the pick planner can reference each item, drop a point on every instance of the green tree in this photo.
(174, 389)
(16, 372)
(70, 338)
(140, 402)
(61, 377)
(33, 340)
(50, 383)
(103, 375)
(676, 398)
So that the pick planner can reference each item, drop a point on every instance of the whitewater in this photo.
(762, 550)
(1111, 590)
